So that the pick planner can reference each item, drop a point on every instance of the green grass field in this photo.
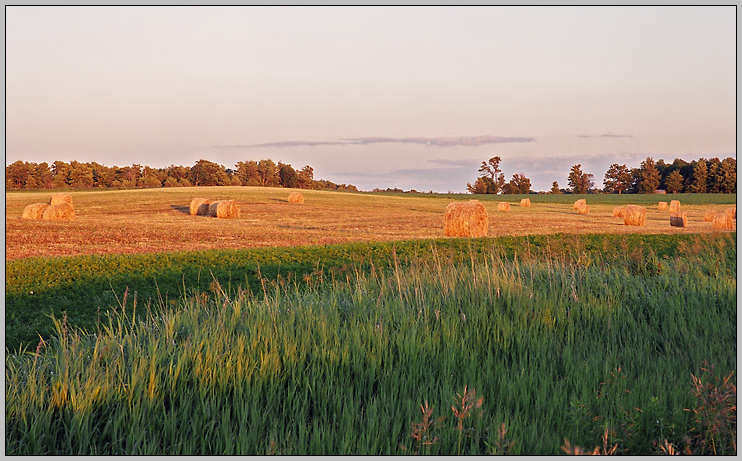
(561, 336)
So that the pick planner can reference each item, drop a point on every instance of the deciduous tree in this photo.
(617, 179)
(579, 181)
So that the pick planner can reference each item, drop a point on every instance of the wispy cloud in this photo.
(605, 135)
(458, 163)
(443, 141)
(425, 141)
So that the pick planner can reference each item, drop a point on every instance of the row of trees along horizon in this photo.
(77, 175)
(699, 176)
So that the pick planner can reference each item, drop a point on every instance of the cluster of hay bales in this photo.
(222, 209)
(503, 206)
(662, 206)
(678, 220)
(296, 197)
(199, 207)
(724, 220)
(34, 211)
(59, 209)
(465, 219)
(674, 206)
(525, 202)
(634, 215)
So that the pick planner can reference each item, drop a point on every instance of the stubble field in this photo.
(157, 220)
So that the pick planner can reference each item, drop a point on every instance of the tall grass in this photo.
(528, 351)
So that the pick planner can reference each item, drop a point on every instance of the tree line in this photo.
(78, 175)
(699, 176)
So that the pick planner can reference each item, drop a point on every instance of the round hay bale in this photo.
(661, 206)
(580, 203)
(635, 216)
(503, 206)
(465, 219)
(708, 215)
(60, 198)
(679, 220)
(60, 212)
(674, 206)
(618, 211)
(723, 221)
(525, 202)
(584, 209)
(296, 197)
(34, 211)
(224, 209)
(200, 207)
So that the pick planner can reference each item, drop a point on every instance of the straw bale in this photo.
(503, 206)
(635, 215)
(579, 203)
(525, 202)
(224, 209)
(674, 206)
(60, 212)
(465, 219)
(708, 215)
(584, 209)
(618, 211)
(661, 206)
(678, 220)
(723, 221)
(60, 198)
(200, 207)
(296, 197)
(34, 211)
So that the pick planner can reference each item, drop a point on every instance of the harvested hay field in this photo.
(159, 220)
(465, 219)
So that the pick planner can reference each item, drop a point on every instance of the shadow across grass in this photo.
(181, 208)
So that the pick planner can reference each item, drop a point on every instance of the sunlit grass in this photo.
(551, 346)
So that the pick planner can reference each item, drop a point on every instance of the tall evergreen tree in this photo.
(674, 182)
(649, 177)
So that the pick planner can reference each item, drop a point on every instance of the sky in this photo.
(406, 97)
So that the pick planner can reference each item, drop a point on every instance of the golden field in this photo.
(158, 220)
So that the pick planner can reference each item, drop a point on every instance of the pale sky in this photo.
(408, 97)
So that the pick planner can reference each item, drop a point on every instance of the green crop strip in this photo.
(87, 287)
